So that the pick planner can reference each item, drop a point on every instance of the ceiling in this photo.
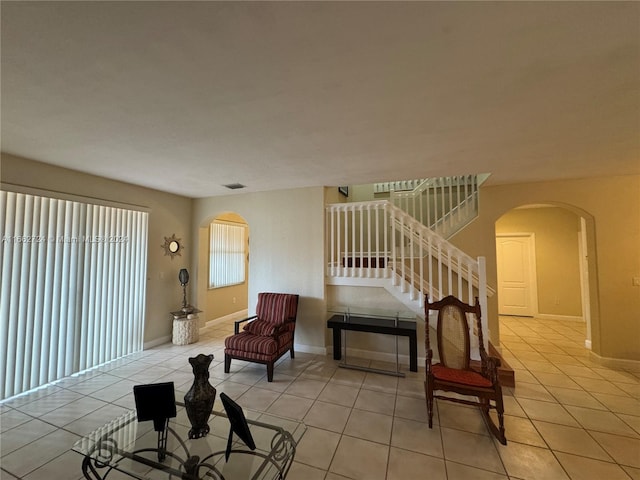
(188, 96)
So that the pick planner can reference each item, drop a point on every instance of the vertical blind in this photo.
(226, 254)
(73, 287)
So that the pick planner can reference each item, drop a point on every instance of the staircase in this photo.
(377, 243)
(401, 244)
(445, 204)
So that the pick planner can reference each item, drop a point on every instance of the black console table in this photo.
(384, 323)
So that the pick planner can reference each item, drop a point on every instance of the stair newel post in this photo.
(329, 247)
(459, 275)
(393, 243)
(482, 294)
(402, 253)
(377, 233)
(442, 205)
(470, 279)
(449, 271)
(430, 265)
(450, 209)
(353, 241)
(414, 209)
(420, 206)
(369, 241)
(466, 197)
(339, 253)
(346, 241)
(459, 209)
(475, 193)
(420, 292)
(386, 238)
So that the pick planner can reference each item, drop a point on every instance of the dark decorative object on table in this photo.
(199, 399)
(238, 423)
(183, 276)
(157, 402)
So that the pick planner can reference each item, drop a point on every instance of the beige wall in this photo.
(168, 214)
(610, 206)
(286, 250)
(557, 263)
(287, 244)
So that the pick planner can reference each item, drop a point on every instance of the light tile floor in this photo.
(567, 417)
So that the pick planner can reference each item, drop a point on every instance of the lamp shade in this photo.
(183, 276)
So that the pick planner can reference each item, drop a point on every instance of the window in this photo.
(72, 294)
(227, 254)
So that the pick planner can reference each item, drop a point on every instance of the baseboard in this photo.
(587, 344)
(156, 342)
(227, 318)
(309, 349)
(562, 318)
(617, 363)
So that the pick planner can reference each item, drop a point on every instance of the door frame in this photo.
(584, 280)
(533, 275)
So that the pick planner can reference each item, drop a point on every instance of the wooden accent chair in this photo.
(454, 373)
(268, 334)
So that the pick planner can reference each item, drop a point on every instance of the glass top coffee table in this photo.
(131, 447)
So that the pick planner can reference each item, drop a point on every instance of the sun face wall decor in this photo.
(172, 246)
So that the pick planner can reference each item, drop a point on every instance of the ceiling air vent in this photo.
(234, 186)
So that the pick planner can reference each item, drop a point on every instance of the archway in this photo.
(542, 255)
(228, 302)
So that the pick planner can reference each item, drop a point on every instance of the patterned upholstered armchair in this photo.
(268, 334)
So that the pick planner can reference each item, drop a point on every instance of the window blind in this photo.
(72, 292)
(226, 254)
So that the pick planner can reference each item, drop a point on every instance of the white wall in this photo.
(286, 251)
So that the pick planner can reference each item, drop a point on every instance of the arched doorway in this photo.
(542, 264)
(226, 302)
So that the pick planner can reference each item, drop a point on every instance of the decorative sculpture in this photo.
(183, 276)
(200, 397)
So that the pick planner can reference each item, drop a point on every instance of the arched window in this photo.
(227, 253)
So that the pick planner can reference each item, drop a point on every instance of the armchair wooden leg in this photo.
(227, 363)
(270, 372)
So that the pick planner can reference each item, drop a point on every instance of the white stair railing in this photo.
(444, 204)
(378, 241)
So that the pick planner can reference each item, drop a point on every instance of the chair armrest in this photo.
(288, 326)
(490, 368)
(236, 324)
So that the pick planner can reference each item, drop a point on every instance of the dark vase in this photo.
(199, 399)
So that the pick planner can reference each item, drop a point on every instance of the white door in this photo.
(517, 292)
